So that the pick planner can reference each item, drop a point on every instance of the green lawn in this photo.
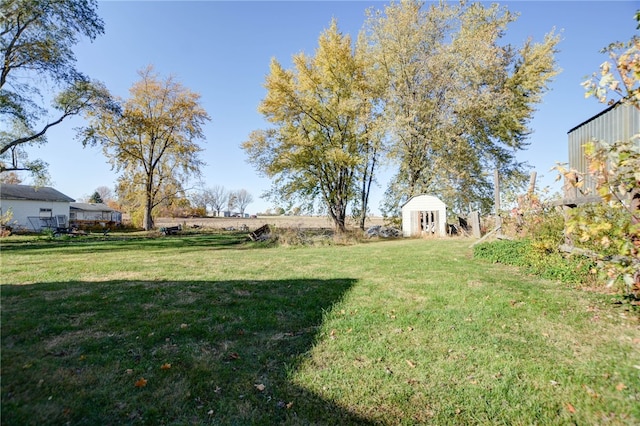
(212, 329)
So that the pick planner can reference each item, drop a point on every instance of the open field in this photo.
(298, 222)
(212, 329)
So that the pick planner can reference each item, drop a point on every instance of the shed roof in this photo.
(423, 196)
(91, 207)
(31, 193)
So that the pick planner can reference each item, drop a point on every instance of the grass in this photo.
(224, 331)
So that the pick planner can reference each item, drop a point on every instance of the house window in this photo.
(46, 213)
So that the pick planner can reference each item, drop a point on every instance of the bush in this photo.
(315, 237)
(503, 251)
(539, 260)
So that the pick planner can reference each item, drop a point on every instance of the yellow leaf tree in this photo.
(458, 99)
(151, 138)
(323, 143)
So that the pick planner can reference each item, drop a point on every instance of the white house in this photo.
(34, 208)
(80, 213)
(424, 215)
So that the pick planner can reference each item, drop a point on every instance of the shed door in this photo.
(430, 222)
(416, 228)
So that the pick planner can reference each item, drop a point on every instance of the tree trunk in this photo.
(364, 195)
(147, 221)
(338, 215)
(340, 224)
(366, 190)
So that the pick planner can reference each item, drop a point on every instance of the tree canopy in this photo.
(242, 198)
(96, 198)
(216, 197)
(36, 39)
(320, 110)
(151, 139)
(457, 101)
(430, 87)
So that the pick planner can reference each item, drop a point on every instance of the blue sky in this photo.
(222, 50)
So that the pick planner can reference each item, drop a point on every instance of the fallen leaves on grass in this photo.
(621, 386)
(571, 408)
(591, 392)
(260, 387)
(142, 382)
(411, 363)
(165, 366)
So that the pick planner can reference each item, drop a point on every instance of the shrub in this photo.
(314, 237)
(614, 164)
(539, 260)
(503, 251)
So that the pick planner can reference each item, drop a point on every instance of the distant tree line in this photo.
(211, 201)
(217, 199)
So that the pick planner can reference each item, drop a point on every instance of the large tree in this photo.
(458, 102)
(320, 111)
(152, 139)
(96, 198)
(216, 197)
(105, 193)
(242, 198)
(36, 41)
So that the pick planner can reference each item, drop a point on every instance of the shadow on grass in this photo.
(164, 352)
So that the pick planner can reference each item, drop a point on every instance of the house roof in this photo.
(91, 207)
(31, 193)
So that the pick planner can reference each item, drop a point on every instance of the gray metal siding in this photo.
(618, 123)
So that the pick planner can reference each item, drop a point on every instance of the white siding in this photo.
(93, 215)
(422, 203)
(23, 209)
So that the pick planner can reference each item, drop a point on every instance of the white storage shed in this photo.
(424, 215)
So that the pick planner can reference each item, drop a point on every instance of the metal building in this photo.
(616, 123)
